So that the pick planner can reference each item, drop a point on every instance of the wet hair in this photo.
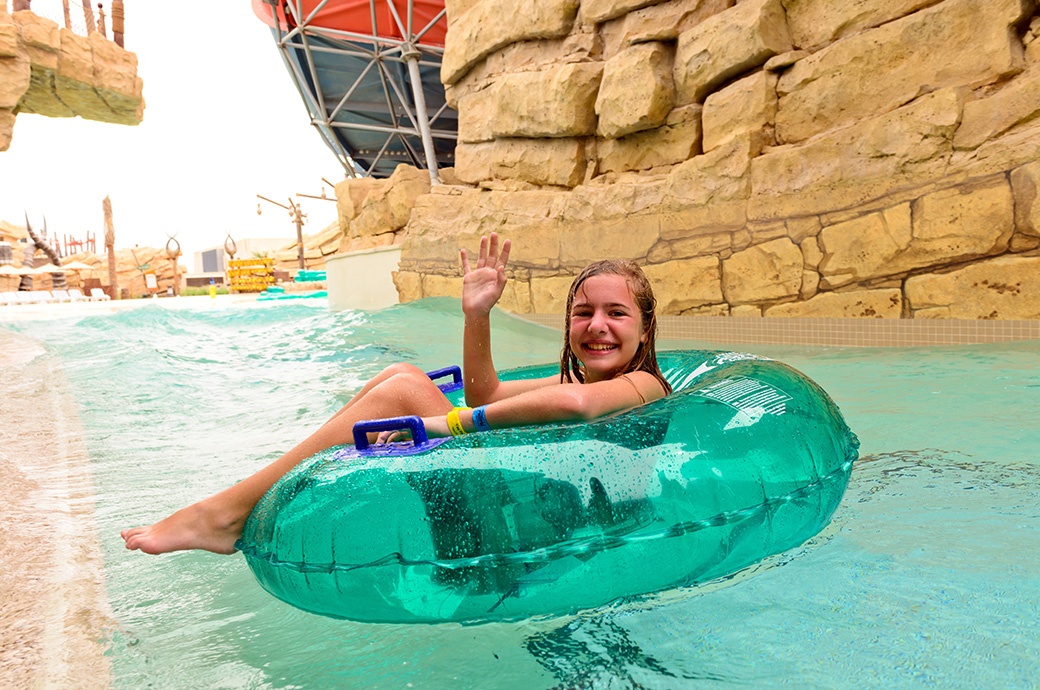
(645, 358)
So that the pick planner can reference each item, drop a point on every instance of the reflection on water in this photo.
(927, 575)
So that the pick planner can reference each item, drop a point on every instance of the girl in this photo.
(608, 364)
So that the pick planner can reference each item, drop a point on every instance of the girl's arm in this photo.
(482, 286)
(560, 402)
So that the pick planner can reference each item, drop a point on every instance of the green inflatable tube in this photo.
(747, 458)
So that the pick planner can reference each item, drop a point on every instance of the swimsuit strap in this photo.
(642, 400)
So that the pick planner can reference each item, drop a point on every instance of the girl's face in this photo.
(606, 326)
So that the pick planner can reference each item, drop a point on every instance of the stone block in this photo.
(42, 98)
(947, 226)
(595, 202)
(677, 140)
(477, 109)
(409, 285)
(1025, 182)
(456, 8)
(763, 273)
(985, 118)
(473, 161)
(551, 103)
(699, 245)
(488, 25)
(694, 220)
(765, 231)
(115, 69)
(637, 91)
(686, 283)
(719, 175)
(583, 45)
(1001, 288)
(799, 229)
(434, 285)
(6, 128)
(557, 162)
(350, 197)
(728, 44)
(440, 224)
(549, 295)
(659, 22)
(861, 304)
(404, 186)
(15, 79)
(746, 107)
(814, 23)
(622, 237)
(810, 284)
(74, 79)
(388, 204)
(516, 297)
(882, 69)
(1018, 146)
(599, 11)
(745, 311)
(865, 247)
(75, 58)
(968, 222)
(863, 162)
(811, 254)
(708, 310)
(778, 63)
(40, 39)
(8, 38)
(552, 162)
(527, 56)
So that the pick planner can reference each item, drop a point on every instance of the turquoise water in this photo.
(928, 575)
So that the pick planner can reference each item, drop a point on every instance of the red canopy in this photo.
(356, 16)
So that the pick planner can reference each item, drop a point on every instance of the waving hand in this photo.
(482, 284)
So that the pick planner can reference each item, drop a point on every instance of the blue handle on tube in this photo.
(456, 378)
(412, 423)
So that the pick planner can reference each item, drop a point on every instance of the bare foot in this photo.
(199, 526)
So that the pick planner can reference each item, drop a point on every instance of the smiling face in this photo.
(606, 327)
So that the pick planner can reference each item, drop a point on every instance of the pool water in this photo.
(927, 576)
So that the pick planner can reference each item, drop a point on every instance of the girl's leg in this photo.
(215, 523)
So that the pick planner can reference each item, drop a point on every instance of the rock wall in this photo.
(871, 158)
(51, 71)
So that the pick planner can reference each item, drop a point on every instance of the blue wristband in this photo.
(480, 422)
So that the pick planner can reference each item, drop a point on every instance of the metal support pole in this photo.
(411, 56)
(297, 214)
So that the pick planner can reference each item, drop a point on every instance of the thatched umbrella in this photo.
(78, 266)
(9, 271)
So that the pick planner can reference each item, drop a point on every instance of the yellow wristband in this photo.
(454, 423)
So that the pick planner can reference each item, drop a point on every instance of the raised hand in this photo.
(482, 284)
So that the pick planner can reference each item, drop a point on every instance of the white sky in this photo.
(222, 123)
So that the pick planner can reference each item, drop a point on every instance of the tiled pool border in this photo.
(832, 332)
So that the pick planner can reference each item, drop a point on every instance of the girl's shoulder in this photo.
(647, 385)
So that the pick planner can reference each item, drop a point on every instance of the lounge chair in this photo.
(98, 295)
(61, 295)
(76, 295)
(8, 298)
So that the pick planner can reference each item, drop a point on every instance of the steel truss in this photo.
(376, 101)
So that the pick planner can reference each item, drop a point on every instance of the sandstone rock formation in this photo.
(128, 275)
(51, 71)
(870, 158)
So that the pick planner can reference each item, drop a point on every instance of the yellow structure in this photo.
(250, 275)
